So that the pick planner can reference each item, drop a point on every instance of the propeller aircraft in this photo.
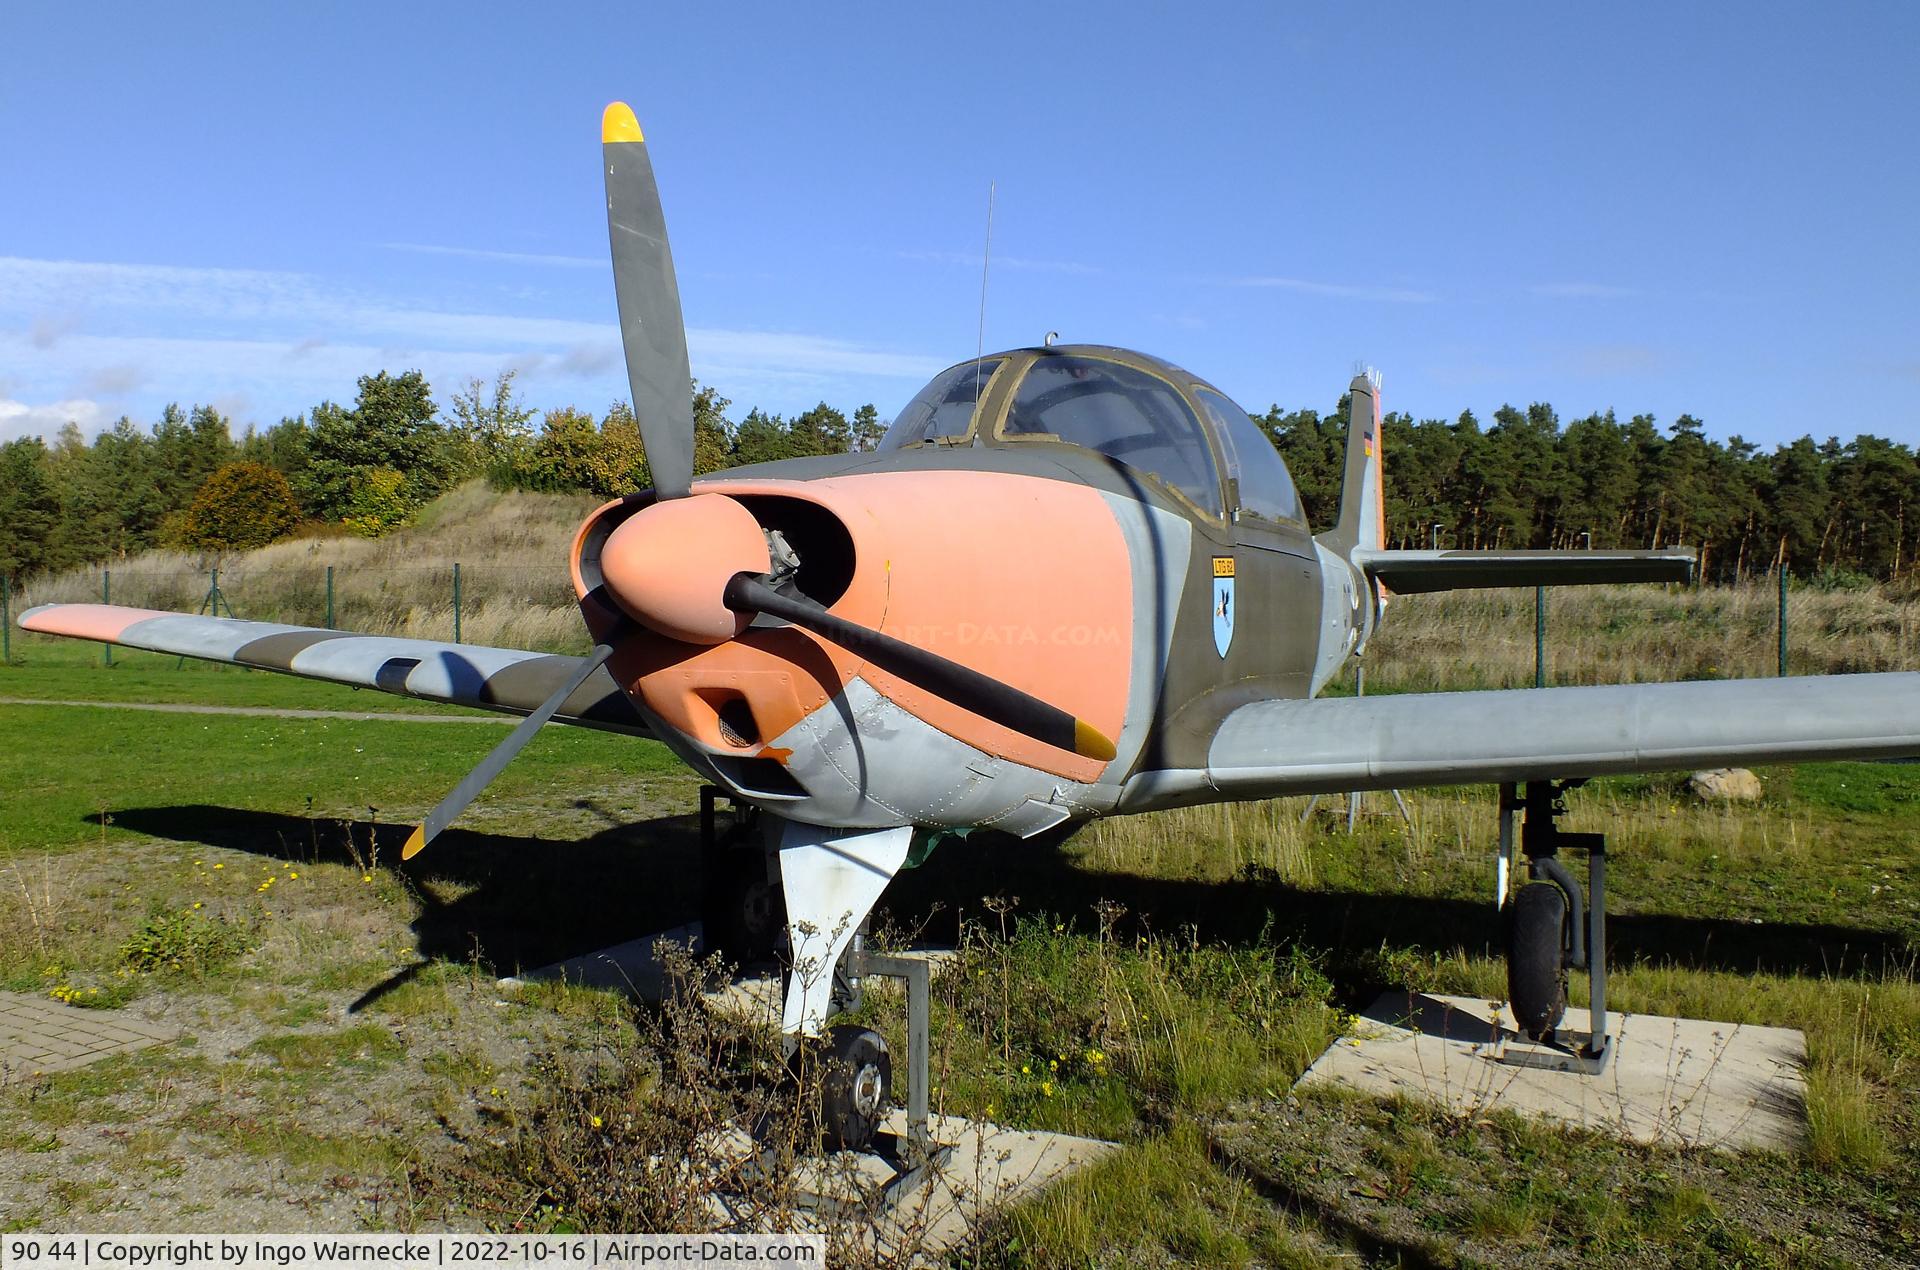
(1071, 581)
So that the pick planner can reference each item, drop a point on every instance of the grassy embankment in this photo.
(1160, 981)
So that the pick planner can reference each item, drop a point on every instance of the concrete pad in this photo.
(1677, 1082)
(989, 1168)
(39, 1036)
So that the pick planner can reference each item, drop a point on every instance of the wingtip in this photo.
(618, 124)
(416, 842)
(1090, 742)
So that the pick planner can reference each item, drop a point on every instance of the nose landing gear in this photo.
(1551, 929)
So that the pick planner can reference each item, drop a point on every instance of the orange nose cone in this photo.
(668, 565)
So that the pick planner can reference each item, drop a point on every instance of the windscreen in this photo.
(944, 408)
(1123, 413)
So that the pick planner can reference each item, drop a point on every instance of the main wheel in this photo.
(1536, 958)
(856, 1088)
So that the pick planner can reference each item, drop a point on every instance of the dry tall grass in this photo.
(1616, 634)
(512, 549)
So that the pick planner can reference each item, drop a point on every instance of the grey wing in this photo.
(1271, 748)
(508, 680)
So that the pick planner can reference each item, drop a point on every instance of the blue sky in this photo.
(1670, 208)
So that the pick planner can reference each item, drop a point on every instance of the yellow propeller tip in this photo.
(415, 842)
(618, 124)
(1090, 742)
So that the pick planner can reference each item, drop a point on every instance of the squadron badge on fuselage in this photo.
(1222, 603)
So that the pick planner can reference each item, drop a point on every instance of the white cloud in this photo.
(18, 419)
(113, 381)
(713, 350)
(506, 257)
(49, 328)
(1025, 264)
(1331, 290)
(285, 340)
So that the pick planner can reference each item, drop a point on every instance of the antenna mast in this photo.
(986, 262)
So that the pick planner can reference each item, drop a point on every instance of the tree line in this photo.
(1829, 508)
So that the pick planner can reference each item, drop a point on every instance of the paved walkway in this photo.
(38, 1035)
(265, 712)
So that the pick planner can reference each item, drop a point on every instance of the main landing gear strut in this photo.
(1551, 928)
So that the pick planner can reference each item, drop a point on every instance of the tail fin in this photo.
(1363, 511)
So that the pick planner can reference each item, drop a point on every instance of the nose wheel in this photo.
(856, 1088)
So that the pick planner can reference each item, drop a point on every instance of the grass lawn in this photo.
(48, 669)
(1159, 981)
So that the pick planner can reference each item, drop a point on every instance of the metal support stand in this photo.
(909, 1159)
(1541, 803)
(917, 1149)
(215, 600)
(1354, 796)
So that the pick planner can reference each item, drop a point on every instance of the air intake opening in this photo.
(816, 535)
(736, 723)
(732, 716)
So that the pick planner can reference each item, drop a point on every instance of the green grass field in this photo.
(1156, 980)
(1159, 981)
(47, 669)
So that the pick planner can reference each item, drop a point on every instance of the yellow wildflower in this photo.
(596, 1121)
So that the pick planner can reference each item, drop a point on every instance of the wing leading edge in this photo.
(1330, 745)
(508, 680)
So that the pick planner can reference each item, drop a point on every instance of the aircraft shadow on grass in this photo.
(520, 902)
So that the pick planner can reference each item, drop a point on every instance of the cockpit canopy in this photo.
(1143, 413)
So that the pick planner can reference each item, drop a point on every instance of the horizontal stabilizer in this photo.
(1272, 748)
(508, 680)
(1411, 572)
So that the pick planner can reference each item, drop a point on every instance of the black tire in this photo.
(1536, 958)
(744, 914)
(856, 1088)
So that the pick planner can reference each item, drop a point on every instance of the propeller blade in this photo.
(491, 766)
(651, 329)
(966, 688)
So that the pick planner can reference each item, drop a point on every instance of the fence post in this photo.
(213, 591)
(1783, 619)
(456, 601)
(1539, 637)
(106, 597)
(6, 620)
(329, 597)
